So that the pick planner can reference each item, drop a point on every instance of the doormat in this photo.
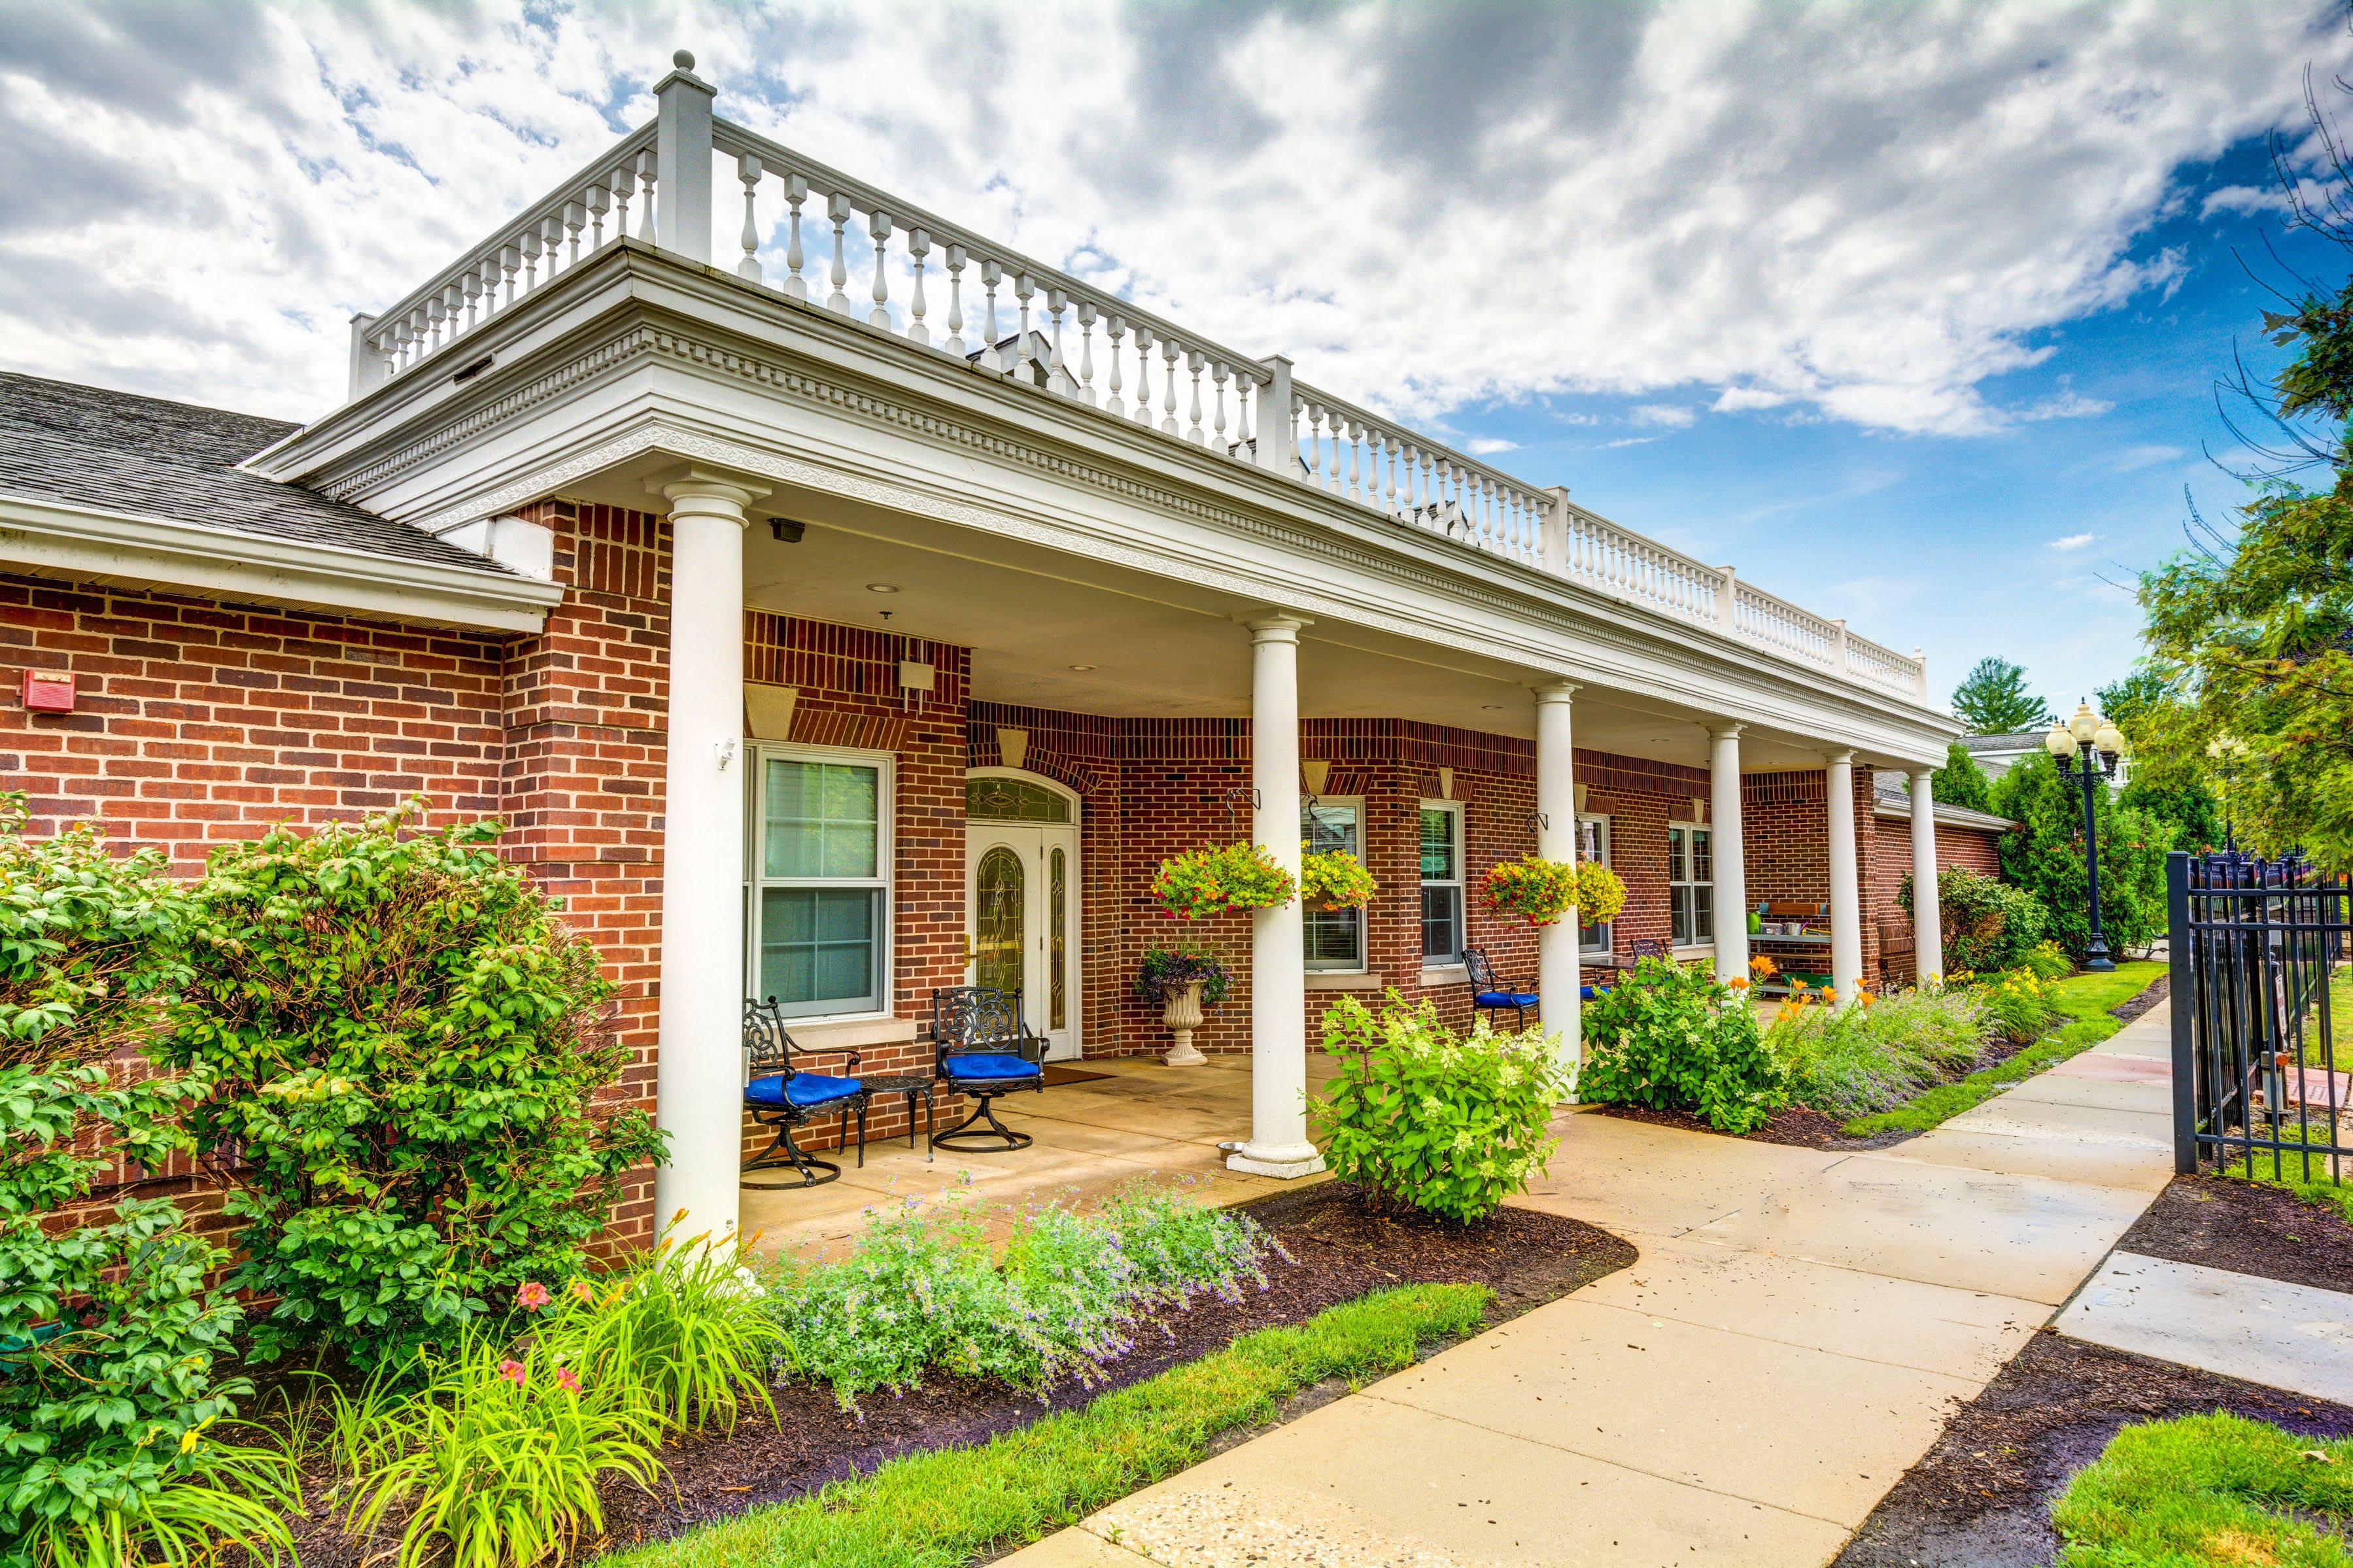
(1061, 1072)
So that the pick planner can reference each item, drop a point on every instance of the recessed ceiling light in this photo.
(881, 587)
(1083, 667)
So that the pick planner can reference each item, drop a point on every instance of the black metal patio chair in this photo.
(780, 1095)
(1491, 996)
(985, 1051)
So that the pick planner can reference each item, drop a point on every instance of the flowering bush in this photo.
(1166, 971)
(1672, 1036)
(1537, 891)
(1420, 1117)
(2019, 1002)
(406, 1059)
(1336, 879)
(923, 1291)
(2048, 961)
(1211, 881)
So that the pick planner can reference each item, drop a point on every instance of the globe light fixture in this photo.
(2086, 747)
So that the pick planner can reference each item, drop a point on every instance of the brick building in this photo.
(836, 657)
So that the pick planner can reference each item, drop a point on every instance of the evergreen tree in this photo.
(1993, 700)
(2044, 854)
(1960, 782)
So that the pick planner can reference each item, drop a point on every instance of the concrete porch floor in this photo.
(1140, 1119)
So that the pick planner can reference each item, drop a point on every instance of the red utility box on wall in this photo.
(48, 692)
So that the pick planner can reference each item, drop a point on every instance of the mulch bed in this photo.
(2247, 1228)
(1981, 1497)
(1800, 1126)
(1340, 1251)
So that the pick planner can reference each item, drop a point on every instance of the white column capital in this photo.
(701, 491)
(1274, 625)
(1725, 729)
(1842, 758)
(1555, 691)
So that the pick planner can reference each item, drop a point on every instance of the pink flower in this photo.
(511, 1370)
(583, 1291)
(567, 1380)
(533, 1295)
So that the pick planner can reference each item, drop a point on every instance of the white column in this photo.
(1556, 977)
(1724, 835)
(1846, 882)
(698, 1068)
(1927, 918)
(1279, 1144)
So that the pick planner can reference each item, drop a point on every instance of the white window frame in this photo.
(1676, 885)
(1607, 939)
(1364, 942)
(886, 812)
(1459, 882)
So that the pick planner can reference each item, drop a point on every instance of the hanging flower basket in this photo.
(1335, 879)
(1211, 881)
(1600, 894)
(1532, 889)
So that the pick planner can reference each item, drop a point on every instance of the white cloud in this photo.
(2244, 200)
(1627, 441)
(1866, 211)
(2074, 541)
(1488, 445)
(1737, 399)
(1669, 414)
(2133, 458)
(2065, 406)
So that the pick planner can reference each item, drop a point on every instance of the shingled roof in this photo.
(112, 451)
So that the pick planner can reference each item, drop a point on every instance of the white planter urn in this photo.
(1182, 1015)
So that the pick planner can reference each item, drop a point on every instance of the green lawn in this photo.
(940, 1510)
(2207, 1489)
(2083, 1002)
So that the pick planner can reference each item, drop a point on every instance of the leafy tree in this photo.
(2133, 703)
(406, 1056)
(107, 1331)
(2256, 621)
(2045, 856)
(1993, 700)
(1960, 782)
(2146, 705)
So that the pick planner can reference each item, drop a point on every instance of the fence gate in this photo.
(2256, 1086)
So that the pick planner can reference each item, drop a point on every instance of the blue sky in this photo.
(1973, 544)
(1910, 312)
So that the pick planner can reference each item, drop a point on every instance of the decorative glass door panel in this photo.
(999, 918)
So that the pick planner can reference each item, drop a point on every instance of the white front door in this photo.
(1021, 908)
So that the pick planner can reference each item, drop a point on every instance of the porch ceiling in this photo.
(1157, 648)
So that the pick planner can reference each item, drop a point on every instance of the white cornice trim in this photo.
(53, 539)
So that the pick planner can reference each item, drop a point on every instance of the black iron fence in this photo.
(2253, 945)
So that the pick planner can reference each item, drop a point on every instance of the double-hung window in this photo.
(1441, 881)
(1691, 885)
(1335, 938)
(1593, 844)
(820, 884)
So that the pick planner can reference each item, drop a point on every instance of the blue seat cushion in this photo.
(982, 1069)
(801, 1090)
(1504, 999)
(1587, 993)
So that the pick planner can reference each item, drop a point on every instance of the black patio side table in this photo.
(911, 1085)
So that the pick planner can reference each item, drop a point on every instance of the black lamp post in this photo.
(2086, 747)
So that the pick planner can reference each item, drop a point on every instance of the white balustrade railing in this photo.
(554, 235)
(869, 257)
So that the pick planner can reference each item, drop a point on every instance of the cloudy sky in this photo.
(1911, 312)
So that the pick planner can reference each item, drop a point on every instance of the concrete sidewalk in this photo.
(1796, 1330)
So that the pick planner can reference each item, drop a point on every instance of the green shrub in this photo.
(1988, 924)
(2044, 857)
(2018, 1003)
(495, 1459)
(114, 1425)
(924, 1290)
(1852, 1061)
(1672, 1036)
(403, 1048)
(1422, 1118)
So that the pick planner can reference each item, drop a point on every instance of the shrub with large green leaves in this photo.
(111, 1442)
(1424, 1118)
(409, 1079)
(1672, 1036)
